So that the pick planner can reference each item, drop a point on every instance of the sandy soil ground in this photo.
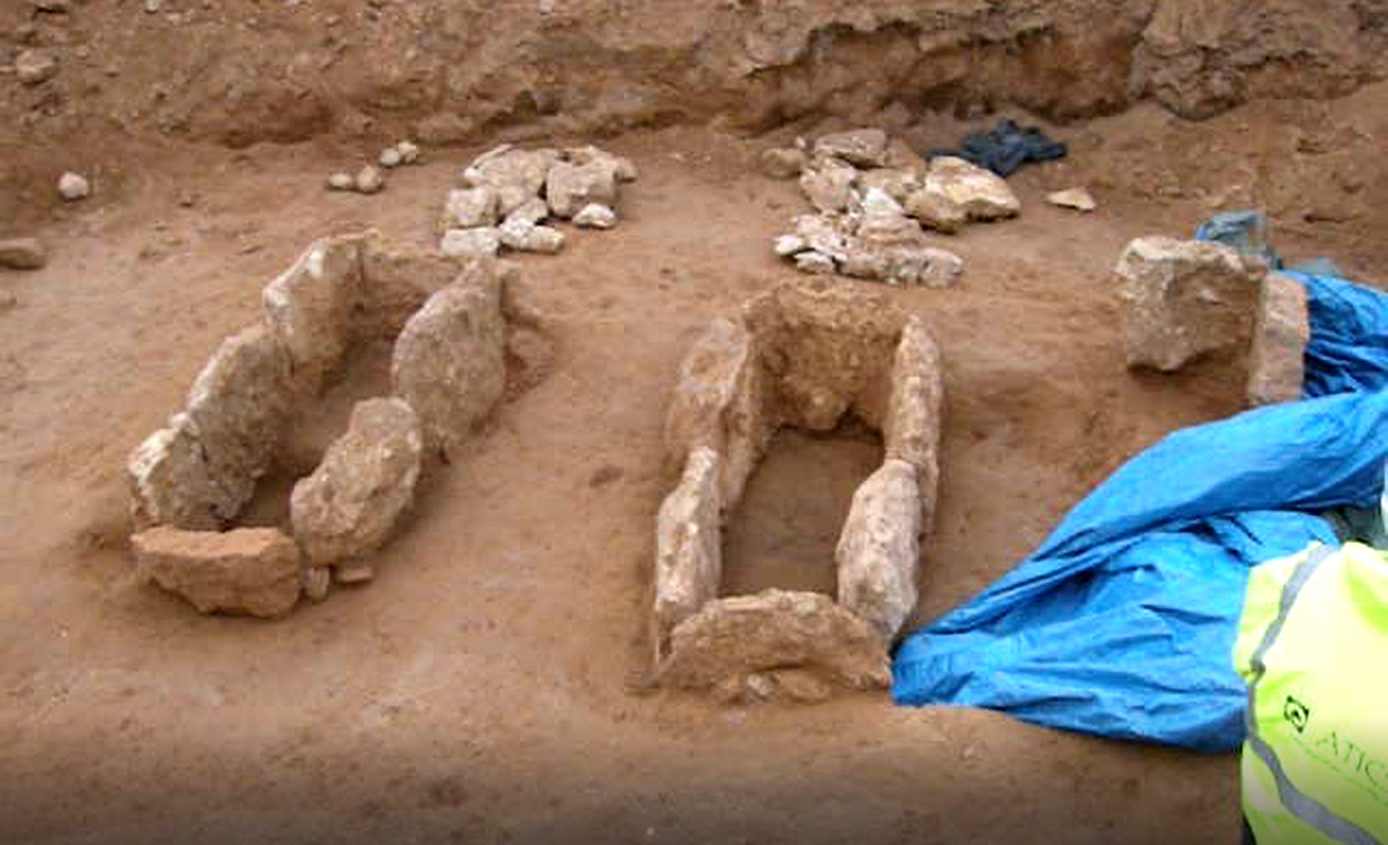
(489, 686)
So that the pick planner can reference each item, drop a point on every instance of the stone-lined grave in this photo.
(456, 326)
(805, 354)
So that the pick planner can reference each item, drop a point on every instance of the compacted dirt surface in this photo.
(492, 684)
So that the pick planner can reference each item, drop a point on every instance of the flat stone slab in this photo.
(734, 637)
(252, 571)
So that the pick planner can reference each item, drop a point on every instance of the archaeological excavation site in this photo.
(753, 421)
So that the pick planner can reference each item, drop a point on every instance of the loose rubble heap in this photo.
(873, 200)
(456, 325)
(803, 354)
(1185, 300)
(370, 179)
(508, 194)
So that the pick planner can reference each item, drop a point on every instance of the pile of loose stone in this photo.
(804, 354)
(510, 193)
(370, 179)
(1185, 300)
(453, 324)
(873, 199)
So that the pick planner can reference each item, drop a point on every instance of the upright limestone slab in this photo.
(450, 360)
(1276, 366)
(309, 308)
(1185, 299)
(879, 549)
(689, 544)
(912, 427)
(239, 406)
(720, 403)
(171, 484)
(350, 505)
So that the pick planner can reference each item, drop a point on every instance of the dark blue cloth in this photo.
(1005, 148)
(1122, 623)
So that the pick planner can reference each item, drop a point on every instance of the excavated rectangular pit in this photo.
(364, 374)
(799, 365)
(784, 532)
(307, 432)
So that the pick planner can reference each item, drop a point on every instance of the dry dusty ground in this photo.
(488, 686)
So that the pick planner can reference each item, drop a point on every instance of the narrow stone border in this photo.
(803, 354)
(453, 323)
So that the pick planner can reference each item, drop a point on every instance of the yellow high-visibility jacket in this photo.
(1313, 648)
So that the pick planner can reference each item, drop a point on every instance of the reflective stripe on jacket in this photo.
(1313, 648)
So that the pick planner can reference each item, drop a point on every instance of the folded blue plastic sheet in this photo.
(1122, 623)
(1349, 338)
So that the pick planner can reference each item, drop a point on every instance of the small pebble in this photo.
(1077, 198)
(22, 254)
(369, 180)
(341, 182)
(409, 152)
(73, 187)
(596, 216)
(154, 6)
(35, 66)
(390, 157)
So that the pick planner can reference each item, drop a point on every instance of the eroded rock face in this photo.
(1184, 299)
(449, 361)
(252, 571)
(350, 505)
(1282, 328)
(689, 556)
(309, 308)
(238, 406)
(879, 549)
(734, 637)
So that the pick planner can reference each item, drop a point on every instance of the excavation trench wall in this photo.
(451, 72)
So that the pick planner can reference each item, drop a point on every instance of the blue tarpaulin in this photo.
(1122, 623)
